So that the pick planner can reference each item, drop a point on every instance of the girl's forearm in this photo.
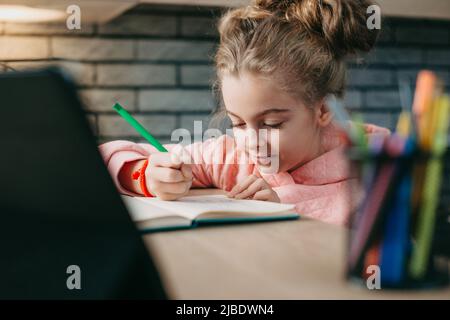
(125, 176)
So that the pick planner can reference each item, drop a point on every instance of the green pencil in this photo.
(139, 128)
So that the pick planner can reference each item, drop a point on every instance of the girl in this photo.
(277, 62)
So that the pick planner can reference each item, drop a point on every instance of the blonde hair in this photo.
(301, 44)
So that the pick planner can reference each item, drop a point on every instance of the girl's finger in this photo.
(172, 188)
(168, 175)
(238, 188)
(164, 159)
(180, 154)
(242, 186)
(263, 195)
(256, 186)
(186, 170)
(168, 196)
(176, 160)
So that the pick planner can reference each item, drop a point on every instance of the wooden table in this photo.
(300, 259)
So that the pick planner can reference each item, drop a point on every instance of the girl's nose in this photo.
(256, 138)
(251, 136)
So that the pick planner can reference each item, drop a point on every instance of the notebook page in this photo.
(193, 206)
(141, 211)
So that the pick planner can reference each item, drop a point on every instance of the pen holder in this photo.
(390, 243)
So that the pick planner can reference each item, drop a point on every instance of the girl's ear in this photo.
(324, 114)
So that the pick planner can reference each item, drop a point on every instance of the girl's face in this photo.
(278, 133)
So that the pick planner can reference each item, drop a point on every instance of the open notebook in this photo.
(152, 214)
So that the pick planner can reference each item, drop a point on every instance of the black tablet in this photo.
(64, 231)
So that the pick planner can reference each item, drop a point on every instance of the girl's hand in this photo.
(167, 177)
(254, 188)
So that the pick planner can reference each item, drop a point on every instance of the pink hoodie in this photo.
(319, 188)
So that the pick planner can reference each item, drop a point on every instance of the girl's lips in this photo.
(253, 156)
(262, 160)
(256, 156)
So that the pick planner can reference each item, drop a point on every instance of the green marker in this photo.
(138, 127)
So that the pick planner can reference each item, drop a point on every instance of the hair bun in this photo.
(340, 23)
(272, 5)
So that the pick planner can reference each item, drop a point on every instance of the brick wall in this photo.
(405, 47)
(156, 61)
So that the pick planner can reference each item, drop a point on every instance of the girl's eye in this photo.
(238, 125)
(273, 125)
